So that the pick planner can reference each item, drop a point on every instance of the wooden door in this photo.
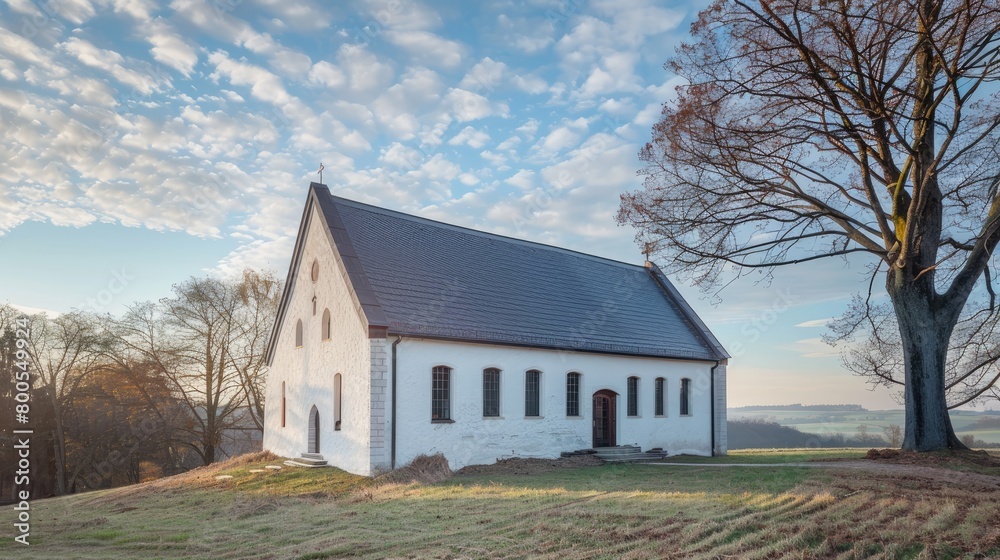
(604, 419)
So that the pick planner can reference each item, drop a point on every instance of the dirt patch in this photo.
(524, 466)
(930, 477)
(425, 469)
(944, 459)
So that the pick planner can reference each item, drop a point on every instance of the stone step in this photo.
(634, 458)
(307, 463)
(610, 452)
(308, 460)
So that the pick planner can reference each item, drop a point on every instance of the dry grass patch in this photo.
(424, 469)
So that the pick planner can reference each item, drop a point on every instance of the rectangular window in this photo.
(633, 396)
(532, 392)
(491, 392)
(685, 397)
(573, 394)
(659, 397)
(441, 393)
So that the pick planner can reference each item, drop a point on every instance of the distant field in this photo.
(600, 512)
(829, 422)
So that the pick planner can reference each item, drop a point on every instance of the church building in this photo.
(398, 336)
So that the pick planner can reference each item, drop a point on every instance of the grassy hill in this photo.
(633, 511)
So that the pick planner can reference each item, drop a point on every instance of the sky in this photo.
(142, 143)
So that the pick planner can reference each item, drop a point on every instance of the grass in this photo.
(770, 456)
(610, 511)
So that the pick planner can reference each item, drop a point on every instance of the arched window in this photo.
(337, 396)
(532, 392)
(313, 430)
(572, 394)
(282, 404)
(660, 397)
(441, 394)
(298, 334)
(314, 272)
(633, 396)
(491, 392)
(326, 324)
(685, 397)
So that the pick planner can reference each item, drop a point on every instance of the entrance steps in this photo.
(308, 460)
(621, 454)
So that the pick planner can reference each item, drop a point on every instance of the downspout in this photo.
(392, 428)
(711, 392)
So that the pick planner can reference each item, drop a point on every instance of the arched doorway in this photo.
(604, 418)
(314, 430)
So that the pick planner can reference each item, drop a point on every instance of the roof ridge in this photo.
(478, 232)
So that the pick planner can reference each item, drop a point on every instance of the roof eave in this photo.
(467, 340)
(699, 326)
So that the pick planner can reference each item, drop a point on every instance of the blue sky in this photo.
(142, 143)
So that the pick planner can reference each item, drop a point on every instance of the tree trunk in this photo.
(925, 326)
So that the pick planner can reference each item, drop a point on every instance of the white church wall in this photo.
(308, 372)
(473, 439)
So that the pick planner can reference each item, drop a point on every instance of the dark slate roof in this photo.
(419, 277)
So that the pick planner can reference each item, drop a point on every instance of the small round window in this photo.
(315, 270)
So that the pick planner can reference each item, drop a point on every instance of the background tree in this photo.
(64, 351)
(120, 428)
(827, 128)
(253, 316)
(208, 341)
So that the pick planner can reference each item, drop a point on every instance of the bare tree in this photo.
(208, 340)
(813, 129)
(63, 352)
(252, 316)
(893, 434)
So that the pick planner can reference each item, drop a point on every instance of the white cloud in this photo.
(263, 84)
(223, 23)
(486, 75)
(408, 16)
(562, 137)
(529, 128)
(468, 106)
(111, 62)
(398, 110)
(815, 348)
(16, 46)
(401, 156)
(814, 323)
(76, 11)
(496, 160)
(365, 72)
(327, 74)
(470, 136)
(528, 35)
(301, 15)
(169, 48)
(530, 84)
(523, 179)
(427, 48)
(138, 9)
